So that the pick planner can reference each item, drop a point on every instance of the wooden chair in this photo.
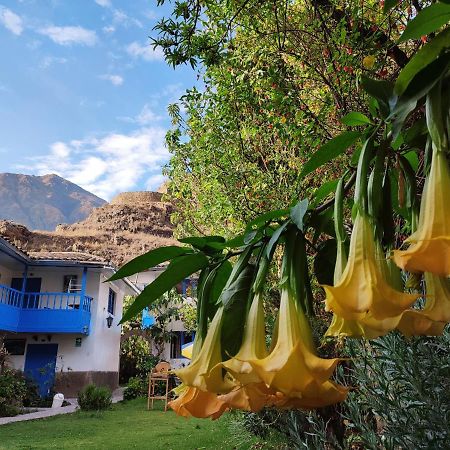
(158, 376)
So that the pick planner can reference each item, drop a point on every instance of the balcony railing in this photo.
(44, 312)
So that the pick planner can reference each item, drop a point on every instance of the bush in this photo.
(13, 390)
(400, 400)
(136, 387)
(93, 398)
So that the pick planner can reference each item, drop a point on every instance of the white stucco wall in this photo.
(100, 350)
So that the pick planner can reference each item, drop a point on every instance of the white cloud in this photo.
(11, 21)
(121, 18)
(155, 182)
(109, 29)
(146, 52)
(146, 117)
(51, 60)
(107, 165)
(116, 80)
(103, 3)
(70, 35)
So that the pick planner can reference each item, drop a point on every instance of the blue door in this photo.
(31, 285)
(40, 363)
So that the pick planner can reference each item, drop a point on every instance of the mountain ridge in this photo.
(41, 202)
(133, 223)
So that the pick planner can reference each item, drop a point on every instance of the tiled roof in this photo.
(15, 247)
(67, 256)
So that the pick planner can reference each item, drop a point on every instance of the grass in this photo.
(127, 425)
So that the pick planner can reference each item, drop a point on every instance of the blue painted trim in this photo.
(53, 312)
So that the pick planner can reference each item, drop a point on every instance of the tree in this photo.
(278, 78)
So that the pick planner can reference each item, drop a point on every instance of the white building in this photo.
(172, 350)
(59, 317)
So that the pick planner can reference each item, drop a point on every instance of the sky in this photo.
(83, 94)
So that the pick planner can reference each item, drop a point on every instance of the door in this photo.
(31, 285)
(40, 363)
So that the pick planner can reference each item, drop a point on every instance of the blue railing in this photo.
(44, 312)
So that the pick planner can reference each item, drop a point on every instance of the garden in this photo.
(310, 176)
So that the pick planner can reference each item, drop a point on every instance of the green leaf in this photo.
(177, 271)
(330, 150)
(425, 56)
(235, 299)
(266, 218)
(323, 191)
(389, 4)
(381, 90)
(149, 260)
(274, 239)
(298, 212)
(236, 242)
(220, 280)
(324, 262)
(427, 21)
(355, 119)
(413, 159)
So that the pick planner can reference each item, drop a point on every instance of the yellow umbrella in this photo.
(186, 350)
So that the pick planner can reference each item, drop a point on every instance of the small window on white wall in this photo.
(111, 301)
(71, 284)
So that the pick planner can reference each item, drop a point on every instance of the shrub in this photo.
(136, 387)
(13, 390)
(400, 400)
(93, 398)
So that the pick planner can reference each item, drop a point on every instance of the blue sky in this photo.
(83, 94)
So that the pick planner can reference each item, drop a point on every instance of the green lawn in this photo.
(127, 425)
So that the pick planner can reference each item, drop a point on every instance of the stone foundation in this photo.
(70, 383)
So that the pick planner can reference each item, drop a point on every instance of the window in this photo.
(111, 301)
(15, 346)
(177, 341)
(70, 284)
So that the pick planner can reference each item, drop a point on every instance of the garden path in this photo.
(117, 396)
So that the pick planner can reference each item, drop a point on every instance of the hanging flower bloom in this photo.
(193, 402)
(417, 323)
(293, 368)
(205, 371)
(362, 291)
(430, 244)
(432, 319)
(250, 397)
(437, 299)
(253, 345)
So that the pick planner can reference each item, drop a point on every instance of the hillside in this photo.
(134, 222)
(43, 202)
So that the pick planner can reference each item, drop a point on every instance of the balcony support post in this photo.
(24, 285)
(83, 287)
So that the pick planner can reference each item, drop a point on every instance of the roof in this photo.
(67, 256)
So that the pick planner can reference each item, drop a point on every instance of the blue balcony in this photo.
(44, 312)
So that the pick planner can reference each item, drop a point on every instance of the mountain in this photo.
(133, 223)
(43, 202)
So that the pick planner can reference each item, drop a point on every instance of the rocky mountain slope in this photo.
(134, 222)
(43, 202)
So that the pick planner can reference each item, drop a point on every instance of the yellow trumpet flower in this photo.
(362, 289)
(292, 367)
(193, 402)
(251, 397)
(430, 249)
(205, 370)
(416, 323)
(253, 345)
(432, 320)
(437, 299)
